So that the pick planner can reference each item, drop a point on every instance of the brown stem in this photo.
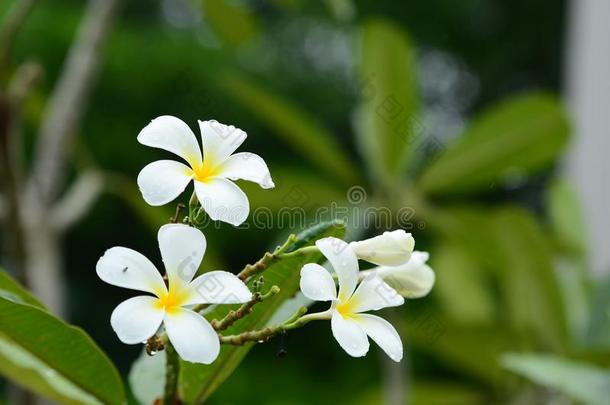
(176, 216)
(244, 310)
(261, 265)
(262, 335)
(258, 267)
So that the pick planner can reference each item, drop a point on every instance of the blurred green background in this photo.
(442, 111)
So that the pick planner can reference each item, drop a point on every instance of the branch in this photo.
(15, 18)
(3, 207)
(261, 265)
(77, 201)
(263, 335)
(67, 103)
(14, 245)
(245, 309)
(172, 370)
(20, 88)
(23, 82)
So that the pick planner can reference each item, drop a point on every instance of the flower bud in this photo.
(390, 249)
(411, 280)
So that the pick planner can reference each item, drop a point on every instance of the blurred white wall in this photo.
(587, 90)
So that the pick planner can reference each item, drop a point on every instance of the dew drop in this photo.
(50, 373)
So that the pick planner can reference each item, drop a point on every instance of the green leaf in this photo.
(56, 360)
(233, 22)
(469, 226)
(430, 392)
(462, 285)
(386, 125)
(515, 138)
(566, 218)
(471, 350)
(528, 282)
(581, 381)
(294, 126)
(598, 329)
(198, 382)
(576, 294)
(13, 291)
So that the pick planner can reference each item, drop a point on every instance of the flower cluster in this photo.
(170, 310)
(379, 288)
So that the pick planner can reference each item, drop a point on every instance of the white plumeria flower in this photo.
(350, 325)
(164, 180)
(389, 249)
(413, 279)
(137, 319)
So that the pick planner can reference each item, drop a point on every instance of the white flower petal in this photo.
(317, 284)
(373, 294)
(344, 262)
(192, 336)
(350, 336)
(218, 287)
(182, 249)
(219, 140)
(162, 181)
(174, 135)
(136, 319)
(389, 249)
(383, 333)
(223, 200)
(127, 268)
(412, 280)
(247, 166)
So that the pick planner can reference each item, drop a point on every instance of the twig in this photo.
(77, 201)
(15, 245)
(3, 207)
(15, 18)
(261, 265)
(245, 309)
(258, 267)
(20, 87)
(67, 103)
(179, 208)
(262, 335)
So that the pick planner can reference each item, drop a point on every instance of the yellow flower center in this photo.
(205, 171)
(346, 308)
(171, 301)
